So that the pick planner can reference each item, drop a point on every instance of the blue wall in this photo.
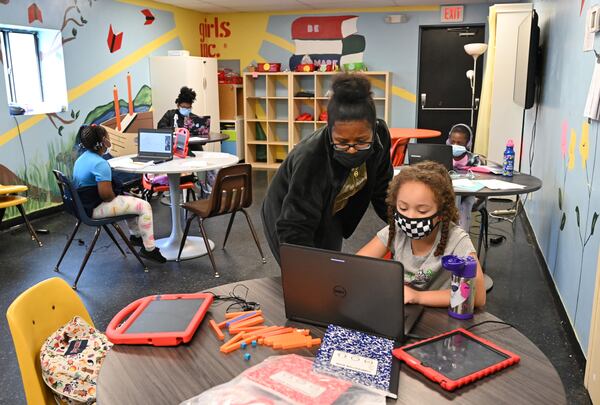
(389, 47)
(567, 71)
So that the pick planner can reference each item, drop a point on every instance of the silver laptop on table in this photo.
(419, 152)
(154, 145)
(324, 287)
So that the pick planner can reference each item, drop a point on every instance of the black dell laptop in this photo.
(324, 287)
(419, 152)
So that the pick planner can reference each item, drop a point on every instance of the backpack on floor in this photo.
(71, 358)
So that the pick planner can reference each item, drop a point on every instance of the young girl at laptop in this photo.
(93, 180)
(421, 217)
(461, 140)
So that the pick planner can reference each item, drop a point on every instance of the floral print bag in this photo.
(71, 358)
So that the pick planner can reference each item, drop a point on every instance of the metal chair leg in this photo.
(481, 232)
(129, 245)
(107, 229)
(229, 228)
(67, 245)
(486, 228)
(262, 255)
(208, 250)
(185, 235)
(28, 224)
(87, 256)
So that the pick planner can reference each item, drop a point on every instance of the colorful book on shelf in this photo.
(356, 356)
(351, 44)
(324, 27)
(291, 378)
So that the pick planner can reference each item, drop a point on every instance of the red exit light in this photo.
(452, 13)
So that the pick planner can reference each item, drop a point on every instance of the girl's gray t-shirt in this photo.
(425, 272)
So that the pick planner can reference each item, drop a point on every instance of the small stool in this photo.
(7, 200)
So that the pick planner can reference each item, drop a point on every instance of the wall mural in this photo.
(328, 40)
(50, 143)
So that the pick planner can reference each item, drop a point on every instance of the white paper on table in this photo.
(500, 184)
(592, 104)
(128, 163)
(467, 185)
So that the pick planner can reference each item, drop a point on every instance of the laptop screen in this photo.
(155, 143)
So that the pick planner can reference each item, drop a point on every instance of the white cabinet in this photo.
(168, 74)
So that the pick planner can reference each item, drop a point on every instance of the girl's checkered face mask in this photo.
(415, 228)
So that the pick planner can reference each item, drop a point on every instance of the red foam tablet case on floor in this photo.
(159, 320)
(456, 358)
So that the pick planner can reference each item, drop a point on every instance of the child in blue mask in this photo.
(461, 139)
(182, 116)
(421, 229)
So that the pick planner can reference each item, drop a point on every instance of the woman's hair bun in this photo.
(351, 88)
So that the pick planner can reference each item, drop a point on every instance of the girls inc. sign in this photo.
(209, 31)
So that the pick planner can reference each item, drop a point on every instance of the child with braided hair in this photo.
(422, 218)
(92, 178)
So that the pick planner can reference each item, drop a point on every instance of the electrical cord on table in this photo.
(417, 337)
(239, 301)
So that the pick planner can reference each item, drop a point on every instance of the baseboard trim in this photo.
(18, 221)
(571, 336)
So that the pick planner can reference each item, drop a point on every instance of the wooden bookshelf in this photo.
(271, 109)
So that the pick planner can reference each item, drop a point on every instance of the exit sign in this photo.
(451, 14)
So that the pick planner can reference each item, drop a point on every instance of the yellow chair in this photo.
(8, 199)
(32, 317)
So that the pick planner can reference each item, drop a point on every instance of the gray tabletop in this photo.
(531, 184)
(212, 137)
(169, 375)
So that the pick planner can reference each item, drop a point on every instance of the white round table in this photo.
(201, 161)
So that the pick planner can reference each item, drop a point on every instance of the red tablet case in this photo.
(117, 328)
(181, 132)
(444, 381)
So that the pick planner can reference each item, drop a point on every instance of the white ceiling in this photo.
(217, 6)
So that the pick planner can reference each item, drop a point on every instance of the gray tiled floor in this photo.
(110, 282)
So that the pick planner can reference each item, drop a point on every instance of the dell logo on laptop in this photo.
(339, 291)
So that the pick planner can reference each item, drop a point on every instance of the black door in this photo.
(444, 96)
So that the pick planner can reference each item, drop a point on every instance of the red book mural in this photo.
(324, 27)
(34, 13)
(149, 16)
(114, 40)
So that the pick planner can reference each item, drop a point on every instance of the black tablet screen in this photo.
(166, 316)
(456, 355)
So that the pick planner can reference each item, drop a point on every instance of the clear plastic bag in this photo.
(287, 379)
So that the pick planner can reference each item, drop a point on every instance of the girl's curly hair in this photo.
(186, 95)
(436, 177)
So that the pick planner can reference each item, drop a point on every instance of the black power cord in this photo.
(239, 301)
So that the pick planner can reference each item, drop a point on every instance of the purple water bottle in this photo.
(462, 285)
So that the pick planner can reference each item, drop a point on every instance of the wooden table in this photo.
(416, 133)
(169, 375)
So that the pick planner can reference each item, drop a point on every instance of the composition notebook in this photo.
(356, 356)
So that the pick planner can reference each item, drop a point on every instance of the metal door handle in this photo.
(424, 102)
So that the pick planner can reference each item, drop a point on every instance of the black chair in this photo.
(73, 206)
